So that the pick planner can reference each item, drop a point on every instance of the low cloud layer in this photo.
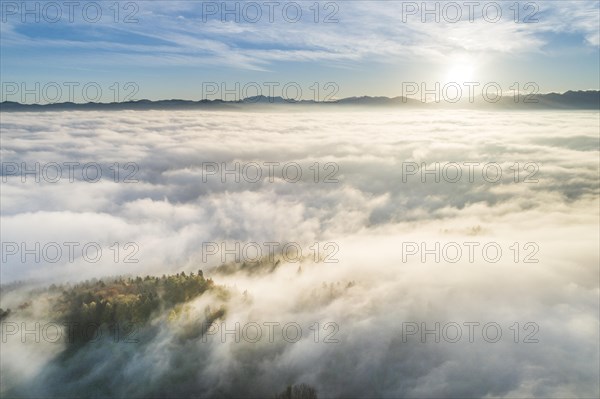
(369, 201)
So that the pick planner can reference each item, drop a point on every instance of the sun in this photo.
(460, 74)
(460, 70)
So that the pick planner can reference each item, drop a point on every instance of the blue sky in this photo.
(169, 48)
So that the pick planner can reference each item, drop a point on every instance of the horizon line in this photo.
(273, 99)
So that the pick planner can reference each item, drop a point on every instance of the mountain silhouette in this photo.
(569, 100)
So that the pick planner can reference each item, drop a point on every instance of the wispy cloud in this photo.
(365, 31)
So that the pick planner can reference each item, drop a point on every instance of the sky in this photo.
(322, 50)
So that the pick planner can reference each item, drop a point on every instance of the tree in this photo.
(4, 313)
(300, 391)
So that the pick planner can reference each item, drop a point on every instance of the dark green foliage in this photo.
(4, 313)
(263, 266)
(122, 301)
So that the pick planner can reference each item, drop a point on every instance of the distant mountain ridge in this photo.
(589, 99)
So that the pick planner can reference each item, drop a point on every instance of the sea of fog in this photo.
(444, 254)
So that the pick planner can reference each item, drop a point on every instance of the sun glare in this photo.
(460, 71)
(460, 74)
